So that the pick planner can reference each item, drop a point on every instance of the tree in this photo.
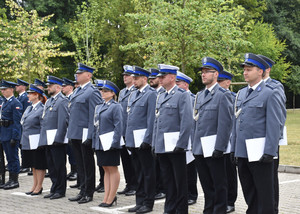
(25, 51)
(293, 82)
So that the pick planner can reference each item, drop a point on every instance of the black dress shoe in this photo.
(101, 190)
(230, 209)
(11, 185)
(191, 202)
(144, 209)
(160, 195)
(134, 209)
(28, 193)
(126, 189)
(109, 205)
(72, 176)
(23, 170)
(49, 195)
(57, 196)
(30, 173)
(76, 198)
(37, 193)
(99, 186)
(85, 199)
(130, 193)
(75, 185)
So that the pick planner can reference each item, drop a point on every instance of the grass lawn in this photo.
(290, 155)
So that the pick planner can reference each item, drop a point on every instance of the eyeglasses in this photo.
(208, 71)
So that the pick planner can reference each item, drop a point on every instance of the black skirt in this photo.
(108, 158)
(34, 158)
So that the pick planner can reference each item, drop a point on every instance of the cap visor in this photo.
(3, 87)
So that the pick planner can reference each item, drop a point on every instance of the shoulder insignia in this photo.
(222, 89)
(192, 95)
(151, 89)
(270, 86)
(181, 90)
(275, 81)
(233, 94)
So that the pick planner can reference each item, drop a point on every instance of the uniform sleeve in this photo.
(224, 129)
(94, 99)
(186, 123)
(150, 117)
(62, 120)
(117, 117)
(16, 126)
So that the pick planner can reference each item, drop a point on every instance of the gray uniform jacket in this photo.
(141, 114)
(108, 118)
(82, 107)
(55, 116)
(214, 117)
(123, 100)
(173, 114)
(31, 124)
(259, 116)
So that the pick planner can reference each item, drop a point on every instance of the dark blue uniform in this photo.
(23, 99)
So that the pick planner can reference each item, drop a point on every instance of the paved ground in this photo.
(15, 201)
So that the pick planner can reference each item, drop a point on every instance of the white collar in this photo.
(265, 80)
(158, 88)
(171, 89)
(82, 86)
(21, 93)
(255, 86)
(34, 105)
(56, 95)
(211, 87)
(70, 94)
(9, 98)
(142, 89)
(130, 87)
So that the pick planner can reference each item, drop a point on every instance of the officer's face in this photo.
(224, 83)
(7, 92)
(84, 77)
(208, 76)
(128, 80)
(33, 97)
(107, 94)
(183, 85)
(252, 75)
(67, 89)
(53, 89)
(20, 88)
(139, 81)
(167, 81)
(154, 82)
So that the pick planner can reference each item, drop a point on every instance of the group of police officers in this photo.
(168, 135)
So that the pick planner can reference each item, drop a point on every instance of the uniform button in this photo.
(241, 130)
(241, 121)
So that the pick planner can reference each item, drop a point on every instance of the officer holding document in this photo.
(108, 126)
(172, 130)
(53, 132)
(141, 111)
(80, 131)
(213, 116)
(255, 136)
(31, 124)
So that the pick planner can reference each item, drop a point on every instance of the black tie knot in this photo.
(250, 91)
(206, 92)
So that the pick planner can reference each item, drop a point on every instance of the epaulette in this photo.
(93, 87)
(275, 81)
(181, 90)
(233, 93)
(222, 89)
(268, 85)
(151, 89)
(192, 95)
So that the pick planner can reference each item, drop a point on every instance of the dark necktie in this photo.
(78, 89)
(126, 92)
(166, 94)
(30, 109)
(206, 92)
(249, 91)
(137, 93)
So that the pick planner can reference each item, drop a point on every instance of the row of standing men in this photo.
(160, 129)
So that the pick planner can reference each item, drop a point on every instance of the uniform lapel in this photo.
(255, 93)
(169, 96)
(209, 95)
(141, 94)
(75, 94)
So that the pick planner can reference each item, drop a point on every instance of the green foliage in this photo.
(25, 50)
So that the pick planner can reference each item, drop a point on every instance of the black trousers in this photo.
(232, 182)
(144, 165)
(56, 161)
(276, 183)
(159, 179)
(84, 156)
(192, 180)
(128, 169)
(213, 180)
(257, 180)
(173, 168)
(101, 179)
(2, 163)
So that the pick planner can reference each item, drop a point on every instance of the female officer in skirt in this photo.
(33, 157)
(107, 136)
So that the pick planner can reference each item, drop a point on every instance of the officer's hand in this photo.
(87, 142)
(145, 146)
(233, 159)
(217, 154)
(266, 158)
(13, 142)
(178, 150)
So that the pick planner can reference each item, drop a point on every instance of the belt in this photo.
(6, 123)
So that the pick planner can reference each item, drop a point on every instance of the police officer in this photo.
(55, 119)
(278, 85)
(213, 115)
(160, 189)
(172, 129)
(81, 126)
(257, 115)
(10, 116)
(128, 169)
(183, 81)
(224, 80)
(67, 90)
(40, 84)
(141, 109)
(2, 162)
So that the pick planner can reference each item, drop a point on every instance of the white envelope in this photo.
(283, 141)
(84, 134)
(34, 141)
(208, 145)
(255, 148)
(122, 142)
(50, 136)
(189, 157)
(138, 136)
(66, 139)
(106, 140)
(228, 148)
(170, 140)
(189, 144)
